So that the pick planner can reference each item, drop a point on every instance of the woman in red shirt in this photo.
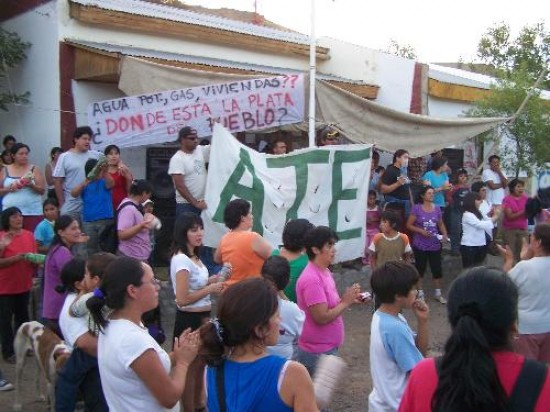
(120, 173)
(479, 370)
(15, 277)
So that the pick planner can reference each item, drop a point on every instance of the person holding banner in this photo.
(188, 170)
(244, 249)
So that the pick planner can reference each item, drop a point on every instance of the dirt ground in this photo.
(354, 390)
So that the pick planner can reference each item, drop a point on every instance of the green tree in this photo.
(530, 130)
(12, 52)
(530, 50)
(406, 51)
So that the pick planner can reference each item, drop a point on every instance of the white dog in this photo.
(50, 353)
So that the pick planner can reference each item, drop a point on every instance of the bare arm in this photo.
(322, 315)
(168, 388)
(87, 343)
(39, 183)
(184, 296)
(421, 311)
(442, 228)
(261, 247)
(297, 389)
(8, 261)
(182, 189)
(58, 185)
(78, 189)
(49, 174)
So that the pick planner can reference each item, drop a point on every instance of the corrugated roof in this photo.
(155, 54)
(166, 12)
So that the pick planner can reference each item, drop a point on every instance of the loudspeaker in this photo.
(163, 196)
(156, 171)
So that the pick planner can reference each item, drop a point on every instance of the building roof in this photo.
(167, 56)
(176, 14)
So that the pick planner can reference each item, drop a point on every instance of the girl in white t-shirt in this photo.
(136, 373)
(192, 288)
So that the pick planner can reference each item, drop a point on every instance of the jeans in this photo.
(207, 253)
(14, 311)
(80, 372)
(94, 229)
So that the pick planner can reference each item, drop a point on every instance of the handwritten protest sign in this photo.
(328, 186)
(239, 106)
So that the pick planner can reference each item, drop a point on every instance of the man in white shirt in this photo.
(495, 180)
(188, 170)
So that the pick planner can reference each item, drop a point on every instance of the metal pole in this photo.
(312, 68)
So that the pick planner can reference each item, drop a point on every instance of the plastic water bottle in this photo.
(225, 272)
(328, 374)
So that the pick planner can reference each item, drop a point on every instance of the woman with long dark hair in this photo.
(478, 370)
(136, 373)
(234, 348)
(476, 231)
(192, 288)
(67, 234)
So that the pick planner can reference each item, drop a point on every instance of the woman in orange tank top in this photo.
(244, 249)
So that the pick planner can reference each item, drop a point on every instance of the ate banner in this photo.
(328, 186)
(156, 118)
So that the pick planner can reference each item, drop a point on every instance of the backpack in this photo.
(108, 238)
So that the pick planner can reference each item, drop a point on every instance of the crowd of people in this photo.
(278, 310)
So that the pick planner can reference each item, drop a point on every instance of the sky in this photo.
(438, 30)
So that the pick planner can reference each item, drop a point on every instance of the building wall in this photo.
(37, 123)
(394, 75)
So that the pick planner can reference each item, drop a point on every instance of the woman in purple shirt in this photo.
(67, 234)
(428, 230)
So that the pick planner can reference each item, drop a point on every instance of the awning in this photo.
(362, 121)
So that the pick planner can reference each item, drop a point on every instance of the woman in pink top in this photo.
(323, 331)
(514, 222)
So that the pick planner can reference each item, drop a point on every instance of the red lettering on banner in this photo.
(258, 119)
(186, 113)
(125, 124)
(153, 118)
(270, 101)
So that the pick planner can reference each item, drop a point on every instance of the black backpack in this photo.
(108, 238)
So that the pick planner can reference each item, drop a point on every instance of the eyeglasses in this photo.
(155, 282)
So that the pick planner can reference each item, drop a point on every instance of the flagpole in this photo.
(312, 69)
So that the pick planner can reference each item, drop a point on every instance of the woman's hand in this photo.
(186, 347)
(425, 233)
(215, 288)
(213, 279)
(351, 295)
(6, 240)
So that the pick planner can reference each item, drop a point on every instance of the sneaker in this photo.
(5, 385)
(440, 299)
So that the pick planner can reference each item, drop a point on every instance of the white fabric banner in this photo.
(240, 105)
(328, 186)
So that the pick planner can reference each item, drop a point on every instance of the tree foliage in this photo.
(530, 50)
(529, 131)
(406, 50)
(12, 52)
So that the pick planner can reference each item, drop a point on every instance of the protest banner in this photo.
(156, 118)
(327, 185)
